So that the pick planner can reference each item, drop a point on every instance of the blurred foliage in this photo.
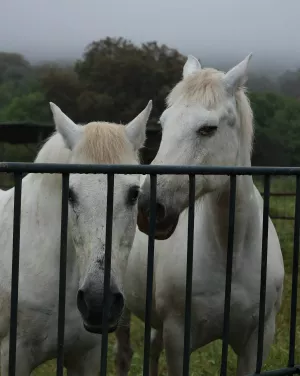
(115, 79)
(277, 129)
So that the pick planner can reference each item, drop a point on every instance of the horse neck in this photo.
(217, 203)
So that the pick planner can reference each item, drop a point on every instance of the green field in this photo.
(207, 360)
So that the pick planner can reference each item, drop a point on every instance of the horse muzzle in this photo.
(165, 221)
(91, 306)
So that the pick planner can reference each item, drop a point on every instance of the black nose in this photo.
(90, 304)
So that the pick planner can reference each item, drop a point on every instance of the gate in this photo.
(18, 169)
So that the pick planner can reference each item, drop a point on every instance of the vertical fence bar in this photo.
(15, 275)
(230, 242)
(291, 362)
(263, 274)
(189, 277)
(62, 276)
(150, 262)
(107, 270)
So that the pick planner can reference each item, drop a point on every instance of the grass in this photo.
(207, 360)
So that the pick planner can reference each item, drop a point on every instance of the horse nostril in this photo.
(81, 303)
(118, 301)
(160, 212)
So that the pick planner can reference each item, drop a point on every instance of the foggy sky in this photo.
(211, 29)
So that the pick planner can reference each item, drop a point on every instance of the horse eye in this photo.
(133, 194)
(207, 130)
(72, 196)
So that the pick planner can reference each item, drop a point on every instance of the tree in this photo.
(115, 80)
(30, 107)
(13, 67)
(62, 86)
(289, 83)
(277, 119)
(260, 83)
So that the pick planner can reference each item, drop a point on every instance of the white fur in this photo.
(133, 129)
(192, 65)
(237, 76)
(70, 131)
(40, 249)
(203, 99)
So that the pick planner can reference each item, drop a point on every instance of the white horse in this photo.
(96, 142)
(208, 121)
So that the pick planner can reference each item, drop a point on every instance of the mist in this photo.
(219, 32)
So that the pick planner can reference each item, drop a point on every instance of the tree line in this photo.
(114, 80)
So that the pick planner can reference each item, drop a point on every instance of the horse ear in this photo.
(136, 129)
(192, 65)
(69, 131)
(237, 76)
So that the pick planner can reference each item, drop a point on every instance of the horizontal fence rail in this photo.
(60, 168)
(145, 169)
(18, 169)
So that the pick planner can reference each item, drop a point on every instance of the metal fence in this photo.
(110, 170)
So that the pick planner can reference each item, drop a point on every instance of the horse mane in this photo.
(106, 143)
(206, 87)
(102, 143)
